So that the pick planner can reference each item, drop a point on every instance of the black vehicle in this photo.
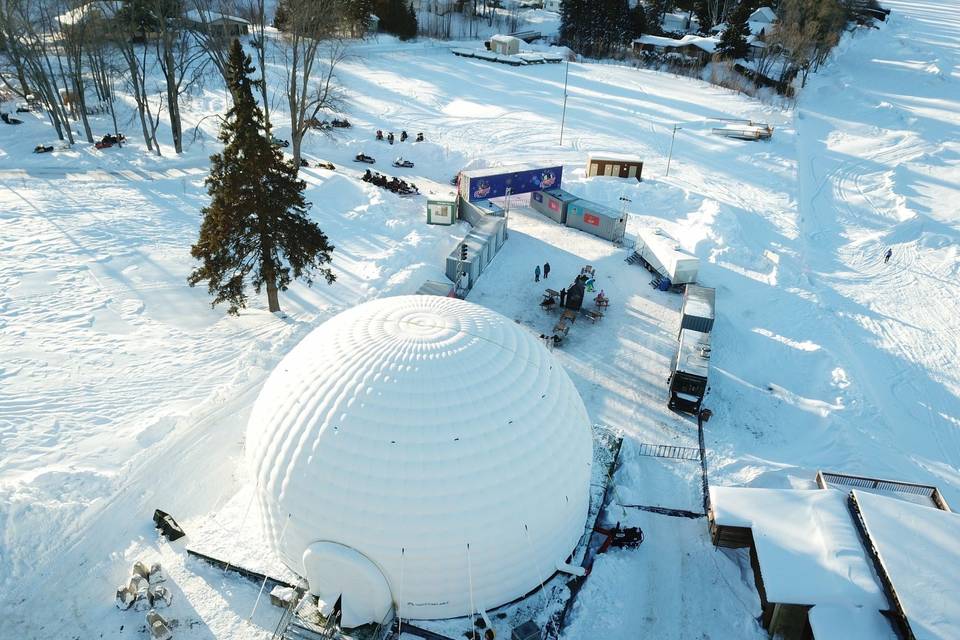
(6, 117)
(419, 138)
(340, 124)
(403, 136)
(277, 142)
(362, 157)
(390, 137)
(400, 162)
(688, 373)
(43, 148)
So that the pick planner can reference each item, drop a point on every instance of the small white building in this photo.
(218, 24)
(762, 22)
(505, 45)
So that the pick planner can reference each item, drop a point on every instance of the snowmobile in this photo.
(379, 134)
(109, 140)
(43, 148)
(9, 120)
(400, 162)
(341, 124)
(323, 164)
(403, 136)
(419, 138)
(362, 157)
(323, 125)
(23, 108)
(390, 137)
(277, 142)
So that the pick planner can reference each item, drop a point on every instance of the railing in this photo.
(669, 451)
(826, 478)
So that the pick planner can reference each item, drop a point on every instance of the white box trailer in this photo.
(661, 254)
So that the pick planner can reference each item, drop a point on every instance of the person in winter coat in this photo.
(887, 256)
(536, 273)
(563, 297)
(546, 270)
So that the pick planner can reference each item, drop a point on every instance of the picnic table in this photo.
(550, 293)
(602, 301)
(568, 314)
(593, 315)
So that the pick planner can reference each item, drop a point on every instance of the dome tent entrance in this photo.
(431, 440)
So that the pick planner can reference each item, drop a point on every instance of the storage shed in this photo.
(614, 165)
(698, 309)
(597, 219)
(688, 375)
(552, 203)
(441, 211)
(660, 253)
(505, 45)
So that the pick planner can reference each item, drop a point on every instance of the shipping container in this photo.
(552, 203)
(495, 182)
(615, 166)
(482, 242)
(597, 219)
(661, 254)
(689, 371)
(698, 309)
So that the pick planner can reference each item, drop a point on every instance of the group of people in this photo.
(401, 187)
(403, 136)
(546, 272)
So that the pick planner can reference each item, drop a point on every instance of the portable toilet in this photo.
(505, 45)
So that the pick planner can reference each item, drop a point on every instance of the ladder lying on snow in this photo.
(669, 451)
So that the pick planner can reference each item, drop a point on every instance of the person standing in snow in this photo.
(536, 273)
(887, 256)
(546, 270)
(563, 297)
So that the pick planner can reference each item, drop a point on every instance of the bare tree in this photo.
(255, 12)
(26, 34)
(312, 24)
(129, 36)
(75, 26)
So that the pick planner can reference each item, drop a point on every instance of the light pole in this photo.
(672, 138)
(563, 116)
(623, 214)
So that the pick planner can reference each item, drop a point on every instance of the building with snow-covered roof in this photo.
(505, 45)
(832, 565)
(689, 46)
(764, 15)
(217, 23)
(423, 453)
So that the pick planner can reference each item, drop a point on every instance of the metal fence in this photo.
(826, 478)
(669, 451)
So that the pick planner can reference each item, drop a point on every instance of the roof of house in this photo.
(919, 547)
(96, 8)
(708, 44)
(807, 544)
(832, 622)
(504, 39)
(213, 16)
(763, 14)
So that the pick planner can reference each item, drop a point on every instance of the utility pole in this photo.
(672, 138)
(563, 116)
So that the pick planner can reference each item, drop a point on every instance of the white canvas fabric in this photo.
(438, 440)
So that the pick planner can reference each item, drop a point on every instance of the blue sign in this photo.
(495, 186)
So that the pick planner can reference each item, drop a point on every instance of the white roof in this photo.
(708, 44)
(505, 39)
(808, 547)
(619, 157)
(920, 548)
(832, 622)
(763, 14)
(96, 8)
(405, 429)
(213, 16)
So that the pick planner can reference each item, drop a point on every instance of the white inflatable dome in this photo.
(420, 451)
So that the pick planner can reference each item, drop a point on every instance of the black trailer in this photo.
(699, 308)
(688, 373)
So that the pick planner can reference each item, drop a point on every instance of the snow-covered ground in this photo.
(122, 391)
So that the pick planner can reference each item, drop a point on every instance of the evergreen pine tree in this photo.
(572, 23)
(255, 226)
(638, 21)
(411, 24)
(358, 12)
(280, 16)
(702, 13)
(733, 41)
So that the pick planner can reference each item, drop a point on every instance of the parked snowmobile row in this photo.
(403, 136)
(400, 187)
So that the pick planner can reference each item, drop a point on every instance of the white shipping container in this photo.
(666, 257)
